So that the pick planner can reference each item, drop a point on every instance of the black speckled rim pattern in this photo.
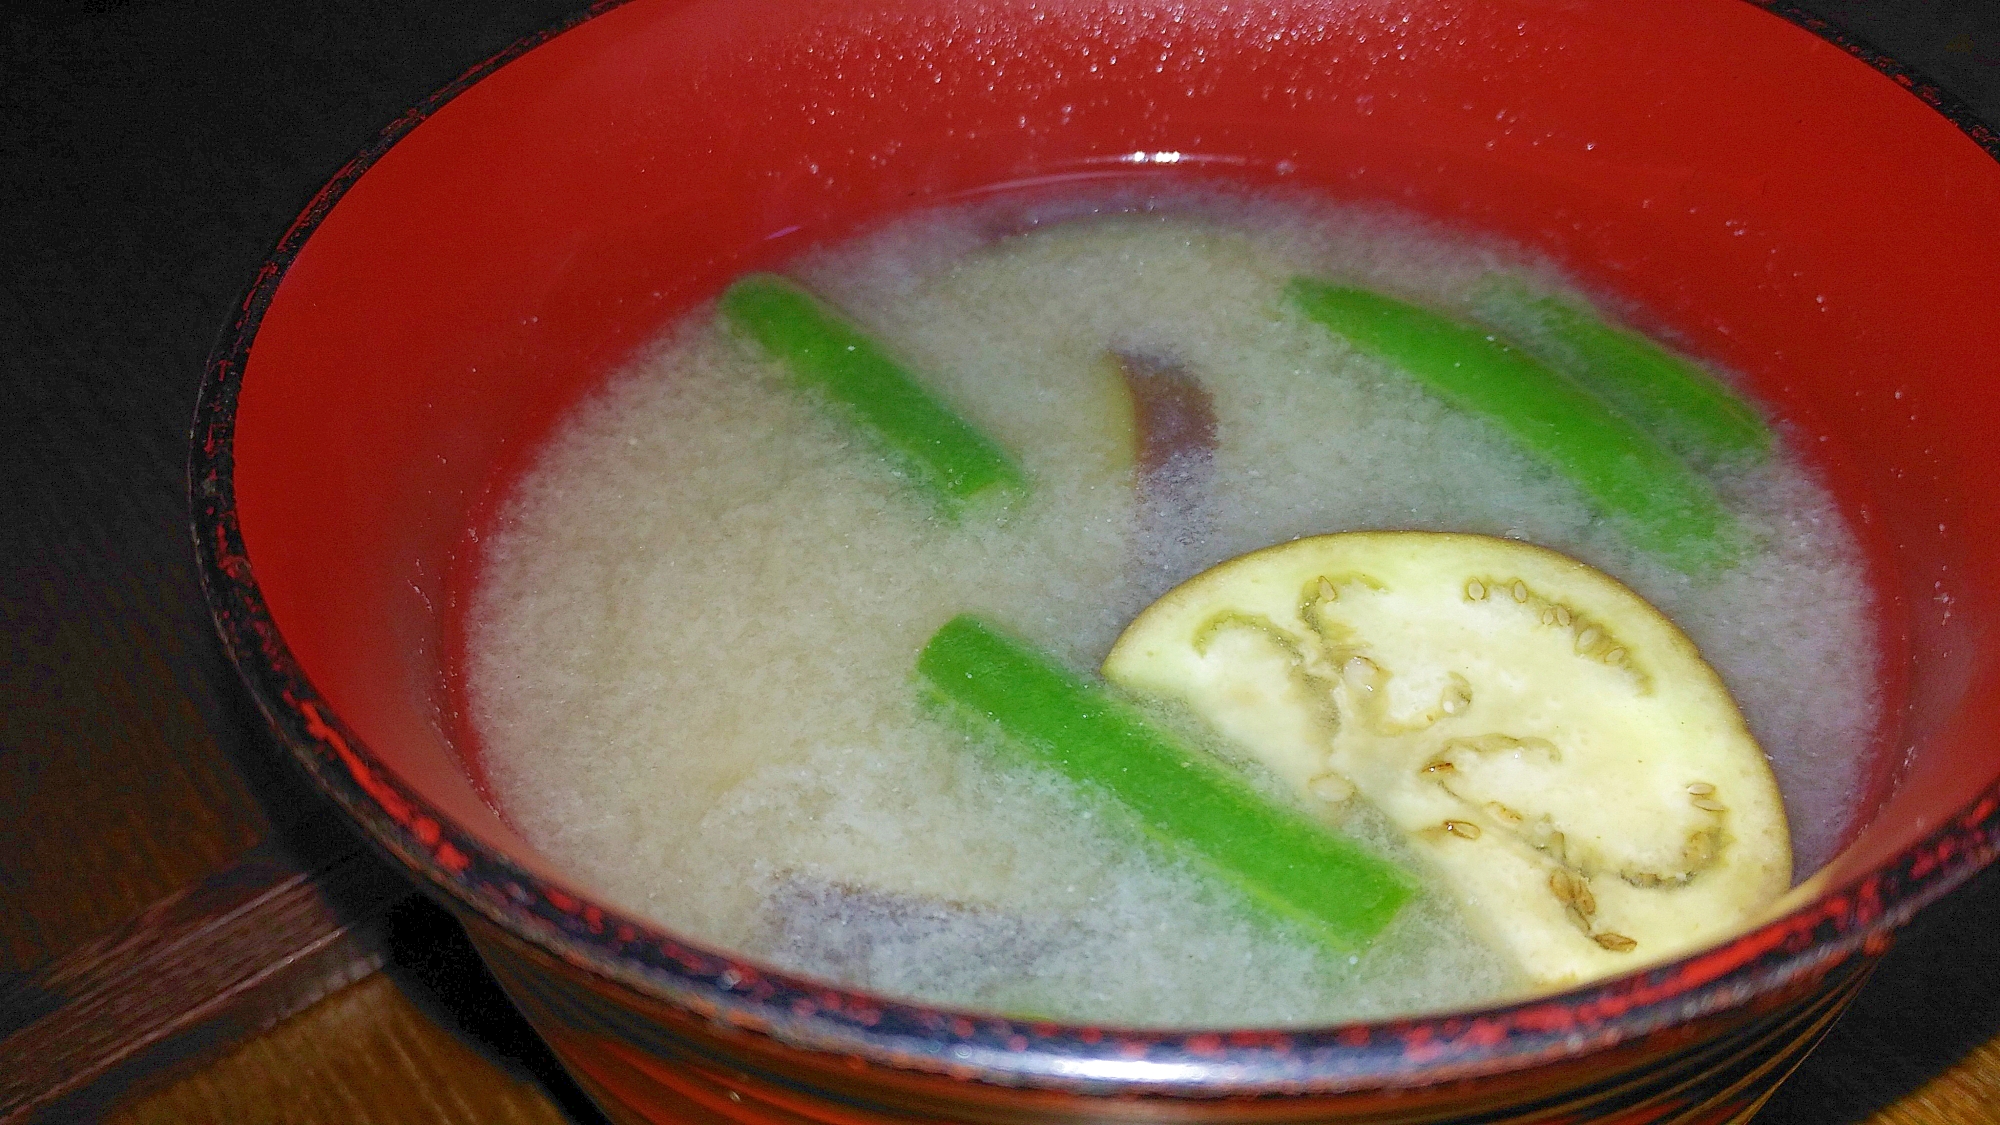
(1801, 947)
(1983, 133)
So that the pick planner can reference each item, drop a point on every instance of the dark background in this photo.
(150, 155)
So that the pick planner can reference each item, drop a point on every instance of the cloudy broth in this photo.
(689, 650)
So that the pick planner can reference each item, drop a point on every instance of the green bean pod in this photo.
(1660, 504)
(1288, 866)
(940, 454)
(1672, 397)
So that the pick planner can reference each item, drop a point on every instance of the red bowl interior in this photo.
(1772, 202)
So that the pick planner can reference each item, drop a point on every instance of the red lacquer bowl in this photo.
(1769, 198)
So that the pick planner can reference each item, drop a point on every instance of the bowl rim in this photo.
(1791, 951)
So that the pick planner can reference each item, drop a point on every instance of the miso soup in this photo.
(690, 649)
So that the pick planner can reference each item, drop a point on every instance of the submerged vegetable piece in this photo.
(862, 935)
(1175, 420)
(941, 454)
(1661, 504)
(1672, 397)
(1173, 424)
(1553, 743)
(1282, 861)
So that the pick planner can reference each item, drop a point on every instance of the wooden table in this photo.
(150, 153)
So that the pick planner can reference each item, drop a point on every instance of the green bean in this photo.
(1288, 866)
(940, 454)
(1659, 504)
(1674, 398)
